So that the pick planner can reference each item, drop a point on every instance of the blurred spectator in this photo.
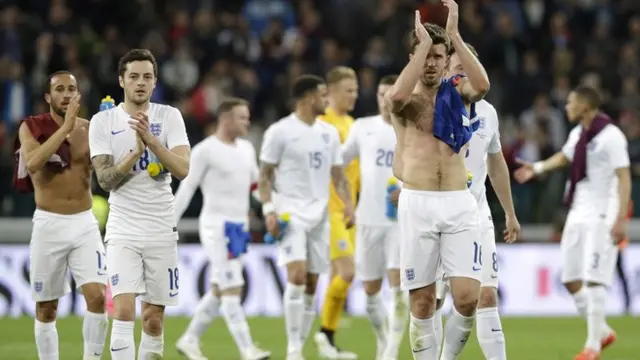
(535, 52)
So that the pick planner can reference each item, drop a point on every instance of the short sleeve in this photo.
(272, 146)
(336, 154)
(350, 148)
(176, 130)
(99, 139)
(569, 148)
(495, 146)
(617, 149)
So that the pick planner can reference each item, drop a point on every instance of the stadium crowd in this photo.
(534, 51)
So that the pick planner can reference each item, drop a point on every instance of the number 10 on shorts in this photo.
(477, 256)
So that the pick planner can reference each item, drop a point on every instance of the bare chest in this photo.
(419, 112)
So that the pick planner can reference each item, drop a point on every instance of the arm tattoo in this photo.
(341, 184)
(107, 172)
(265, 182)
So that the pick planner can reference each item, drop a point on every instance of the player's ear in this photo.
(410, 56)
(121, 81)
(47, 98)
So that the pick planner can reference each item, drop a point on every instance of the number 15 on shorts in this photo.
(477, 256)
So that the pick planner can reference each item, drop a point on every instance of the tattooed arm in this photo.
(265, 182)
(110, 175)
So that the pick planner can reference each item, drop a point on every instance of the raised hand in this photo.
(525, 172)
(140, 123)
(452, 17)
(421, 33)
(71, 114)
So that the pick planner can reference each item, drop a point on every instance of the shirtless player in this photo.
(65, 232)
(437, 215)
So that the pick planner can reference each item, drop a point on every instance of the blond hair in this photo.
(339, 73)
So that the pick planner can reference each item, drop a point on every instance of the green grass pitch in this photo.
(527, 339)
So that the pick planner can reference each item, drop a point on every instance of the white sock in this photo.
(309, 317)
(231, 309)
(94, 333)
(46, 340)
(398, 317)
(490, 334)
(377, 317)
(437, 323)
(580, 300)
(456, 334)
(422, 338)
(294, 316)
(206, 310)
(123, 346)
(150, 346)
(595, 316)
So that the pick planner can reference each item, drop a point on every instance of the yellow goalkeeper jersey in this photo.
(343, 123)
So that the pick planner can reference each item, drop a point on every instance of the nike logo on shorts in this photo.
(102, 273)
(476, 269)
(496, 330)
(118, 349)
(116, 132)
(421, 350)
(173, 294)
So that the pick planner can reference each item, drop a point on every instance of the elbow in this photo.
(395, 96)
(32, 167)
(105, 185)
(183, 173)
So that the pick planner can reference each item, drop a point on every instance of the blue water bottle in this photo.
(392, 209)
(107, 103)
(283, 221)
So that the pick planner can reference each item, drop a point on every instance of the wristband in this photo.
(268, 208)
(538, 167)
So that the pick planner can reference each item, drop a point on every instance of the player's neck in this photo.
(131, 108)
(587, 118)
(386, 118)
(57, 118)
(306, 115)
(336, 110)
(225, 136)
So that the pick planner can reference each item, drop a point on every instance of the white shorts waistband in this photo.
(43, 214)
(432, 193)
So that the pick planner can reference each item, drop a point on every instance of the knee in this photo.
(466, 302)
(124, 307)
(573, 286)
(297, 274)
(345, 268)
(372, 287)
(423, 303)
(94, 295)
(46, 311)
(152, 318)
(488, 298)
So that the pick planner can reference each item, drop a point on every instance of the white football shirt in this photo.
(142, 207)
(606, 153)
(374, 141)
(485, 140)
(304, 155)
(224, 173)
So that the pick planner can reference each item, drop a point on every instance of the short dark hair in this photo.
(388, 80)
(589, 95)
(137, 55)
(438, 36)
(52, 75)
(305, 84)
(230, 103)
